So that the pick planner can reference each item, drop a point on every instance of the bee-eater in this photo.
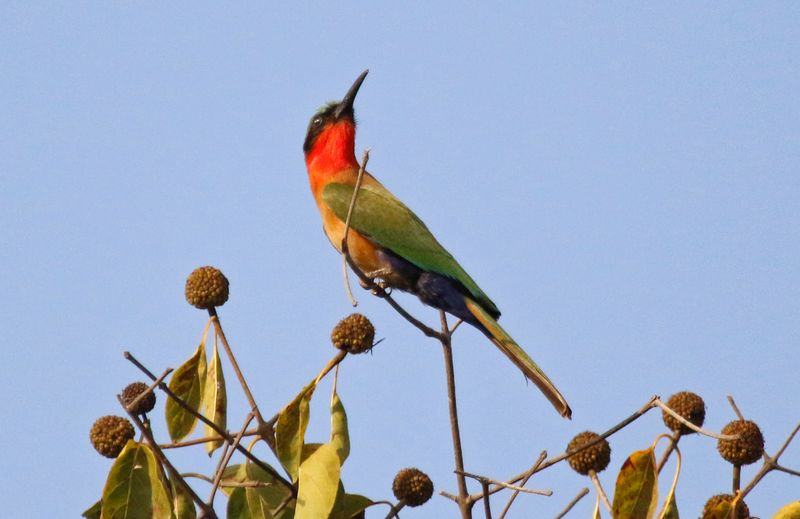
(387, 241)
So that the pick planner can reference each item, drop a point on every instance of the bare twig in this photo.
(356, 190)
(487, 505)
(205, 439)
(503, 484)
(212, 312)
(735, 407)
(561, 457)
(522, 483)
(463, 496)
(599, 488)
(676, 435)
(208, 511)
(395, 509)
(692, 426)
(771, 463)
(572, 503)
(216, 428)
(223, 462)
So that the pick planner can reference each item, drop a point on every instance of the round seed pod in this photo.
(353, 334)
(132, 392)
(747, 448)
(109, 434)
(413, 486)
(594, 458)
(690, 406)
(206, 287)
(716, 503)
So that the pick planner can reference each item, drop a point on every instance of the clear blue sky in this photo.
(622, 180)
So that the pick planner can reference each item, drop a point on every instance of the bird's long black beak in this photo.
(346, 105)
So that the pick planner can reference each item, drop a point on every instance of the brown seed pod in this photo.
(715, 501)
(206, 287)
(413, 486)
(594, 458)
(132, 392)
(690, 406)
(109, 434)
(353, 334)
(747, 448)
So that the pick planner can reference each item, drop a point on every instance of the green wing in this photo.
(392, 225)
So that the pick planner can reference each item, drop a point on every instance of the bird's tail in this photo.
(517, 355)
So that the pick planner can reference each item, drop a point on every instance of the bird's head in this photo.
(331, 131)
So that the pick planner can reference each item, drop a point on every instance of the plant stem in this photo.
(463, 496)
(221, 333)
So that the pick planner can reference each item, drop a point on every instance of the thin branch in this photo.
(572, 503)
(487, 506)
(771, 463)
(221, 333)
(356, 190)
(205, 439)
(503, 484)
(216, 428)
(599, 488)
(676, 435)
(561, 457)
(463, 495)
(226, 458)
(528, 475)
(735, 407)
(208, 511)
(692, 426)
(787, 470)
(395, 509)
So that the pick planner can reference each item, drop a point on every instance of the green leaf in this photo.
(670, 510)
(187, 382)
(290, 431)
(789, 511)
(318, 481)
(348, 505)
(93, 512)
(215, 400)
(182, 503)
(340, 438)
(721, 511)
(636, 493)
(255, 502)
(134, 488)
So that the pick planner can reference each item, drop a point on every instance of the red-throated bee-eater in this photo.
(387, 241)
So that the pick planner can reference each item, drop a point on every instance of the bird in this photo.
(388, 242)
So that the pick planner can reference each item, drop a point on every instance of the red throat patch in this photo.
(333, 151)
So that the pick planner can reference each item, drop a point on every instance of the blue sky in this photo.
(621, 179)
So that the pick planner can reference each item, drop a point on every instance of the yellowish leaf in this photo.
(182, 503)
(256, 502)
(215, 399)
(187, 382)
(134, 488)
(340, 438)
(789, 511)
(318, 481)
(290, 431)
(636, 492)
